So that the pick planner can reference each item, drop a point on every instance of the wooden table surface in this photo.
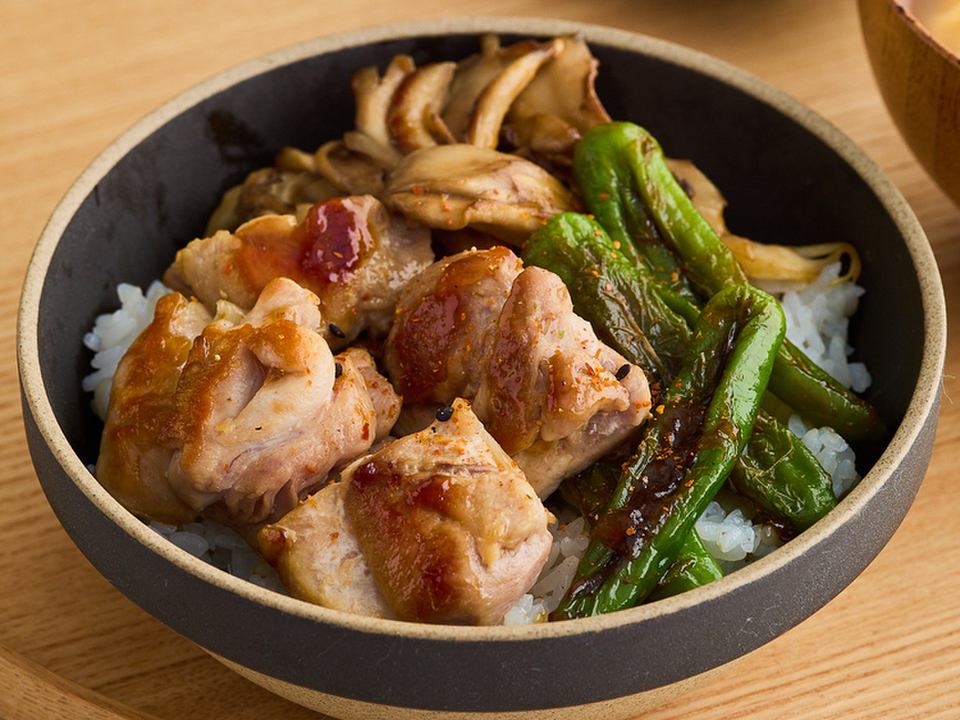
(74, 74)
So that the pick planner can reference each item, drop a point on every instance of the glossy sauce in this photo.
(441, 321)
(323, 250)
(424, 584)
(662, 480)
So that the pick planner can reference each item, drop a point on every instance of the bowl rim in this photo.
(923, 400)
(905, 9)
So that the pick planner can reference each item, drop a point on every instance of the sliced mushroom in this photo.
(564, 88)
(373, 96)
(763, 262)
(494, 102)
(450, 187)
(473, 75)
(353, 171)
(413, 116)
(559, 104)
(270, 191)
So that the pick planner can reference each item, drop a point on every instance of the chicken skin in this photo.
(350, 252)
(241, 421)
(443, 319)
(134, 457)
(450, 527)
(478, 326)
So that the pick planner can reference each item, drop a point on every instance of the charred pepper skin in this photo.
(605, 173)
(590, 491)
(618, 295)
(776, 472)
(686, 456)
(710, 266)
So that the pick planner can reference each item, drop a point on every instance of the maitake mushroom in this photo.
(423, 135)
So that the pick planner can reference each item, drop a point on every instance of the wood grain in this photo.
(31, 691)
(920, 84)
(75, 74)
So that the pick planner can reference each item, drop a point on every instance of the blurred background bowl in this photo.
(788, 175)
(918, 73)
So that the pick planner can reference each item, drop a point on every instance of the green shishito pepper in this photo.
(778, 474)
(694, 567)
(686, 455)
(620, 297)
(604, 172)
(590, 491)
(707, 262)
(623, 302)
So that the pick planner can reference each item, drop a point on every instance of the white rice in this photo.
(222, 547)
(570, 541)
(113, 333)
(817, 322)
(833, 452)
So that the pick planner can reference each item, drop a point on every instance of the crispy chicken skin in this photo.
(351, 252)
(318, 559)
(479, 326)
(554, 396)
(236, 418)
(451, 529)
(134, 454)
(443, 319)
(264, 411)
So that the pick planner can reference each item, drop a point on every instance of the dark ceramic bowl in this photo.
(788, 175)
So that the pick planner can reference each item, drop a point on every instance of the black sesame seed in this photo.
(623, 371)
(444, 414)
(337, 370)
(337, 332)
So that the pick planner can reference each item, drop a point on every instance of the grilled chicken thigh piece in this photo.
(237, 417)
(351, 252)
(264, 411)
(134, 454)
(318, 559)
(554, 396)
(478, 326)
(451, 529)
(444, 316)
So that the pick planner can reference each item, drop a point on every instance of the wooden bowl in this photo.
(788, 175)
(919, 79)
